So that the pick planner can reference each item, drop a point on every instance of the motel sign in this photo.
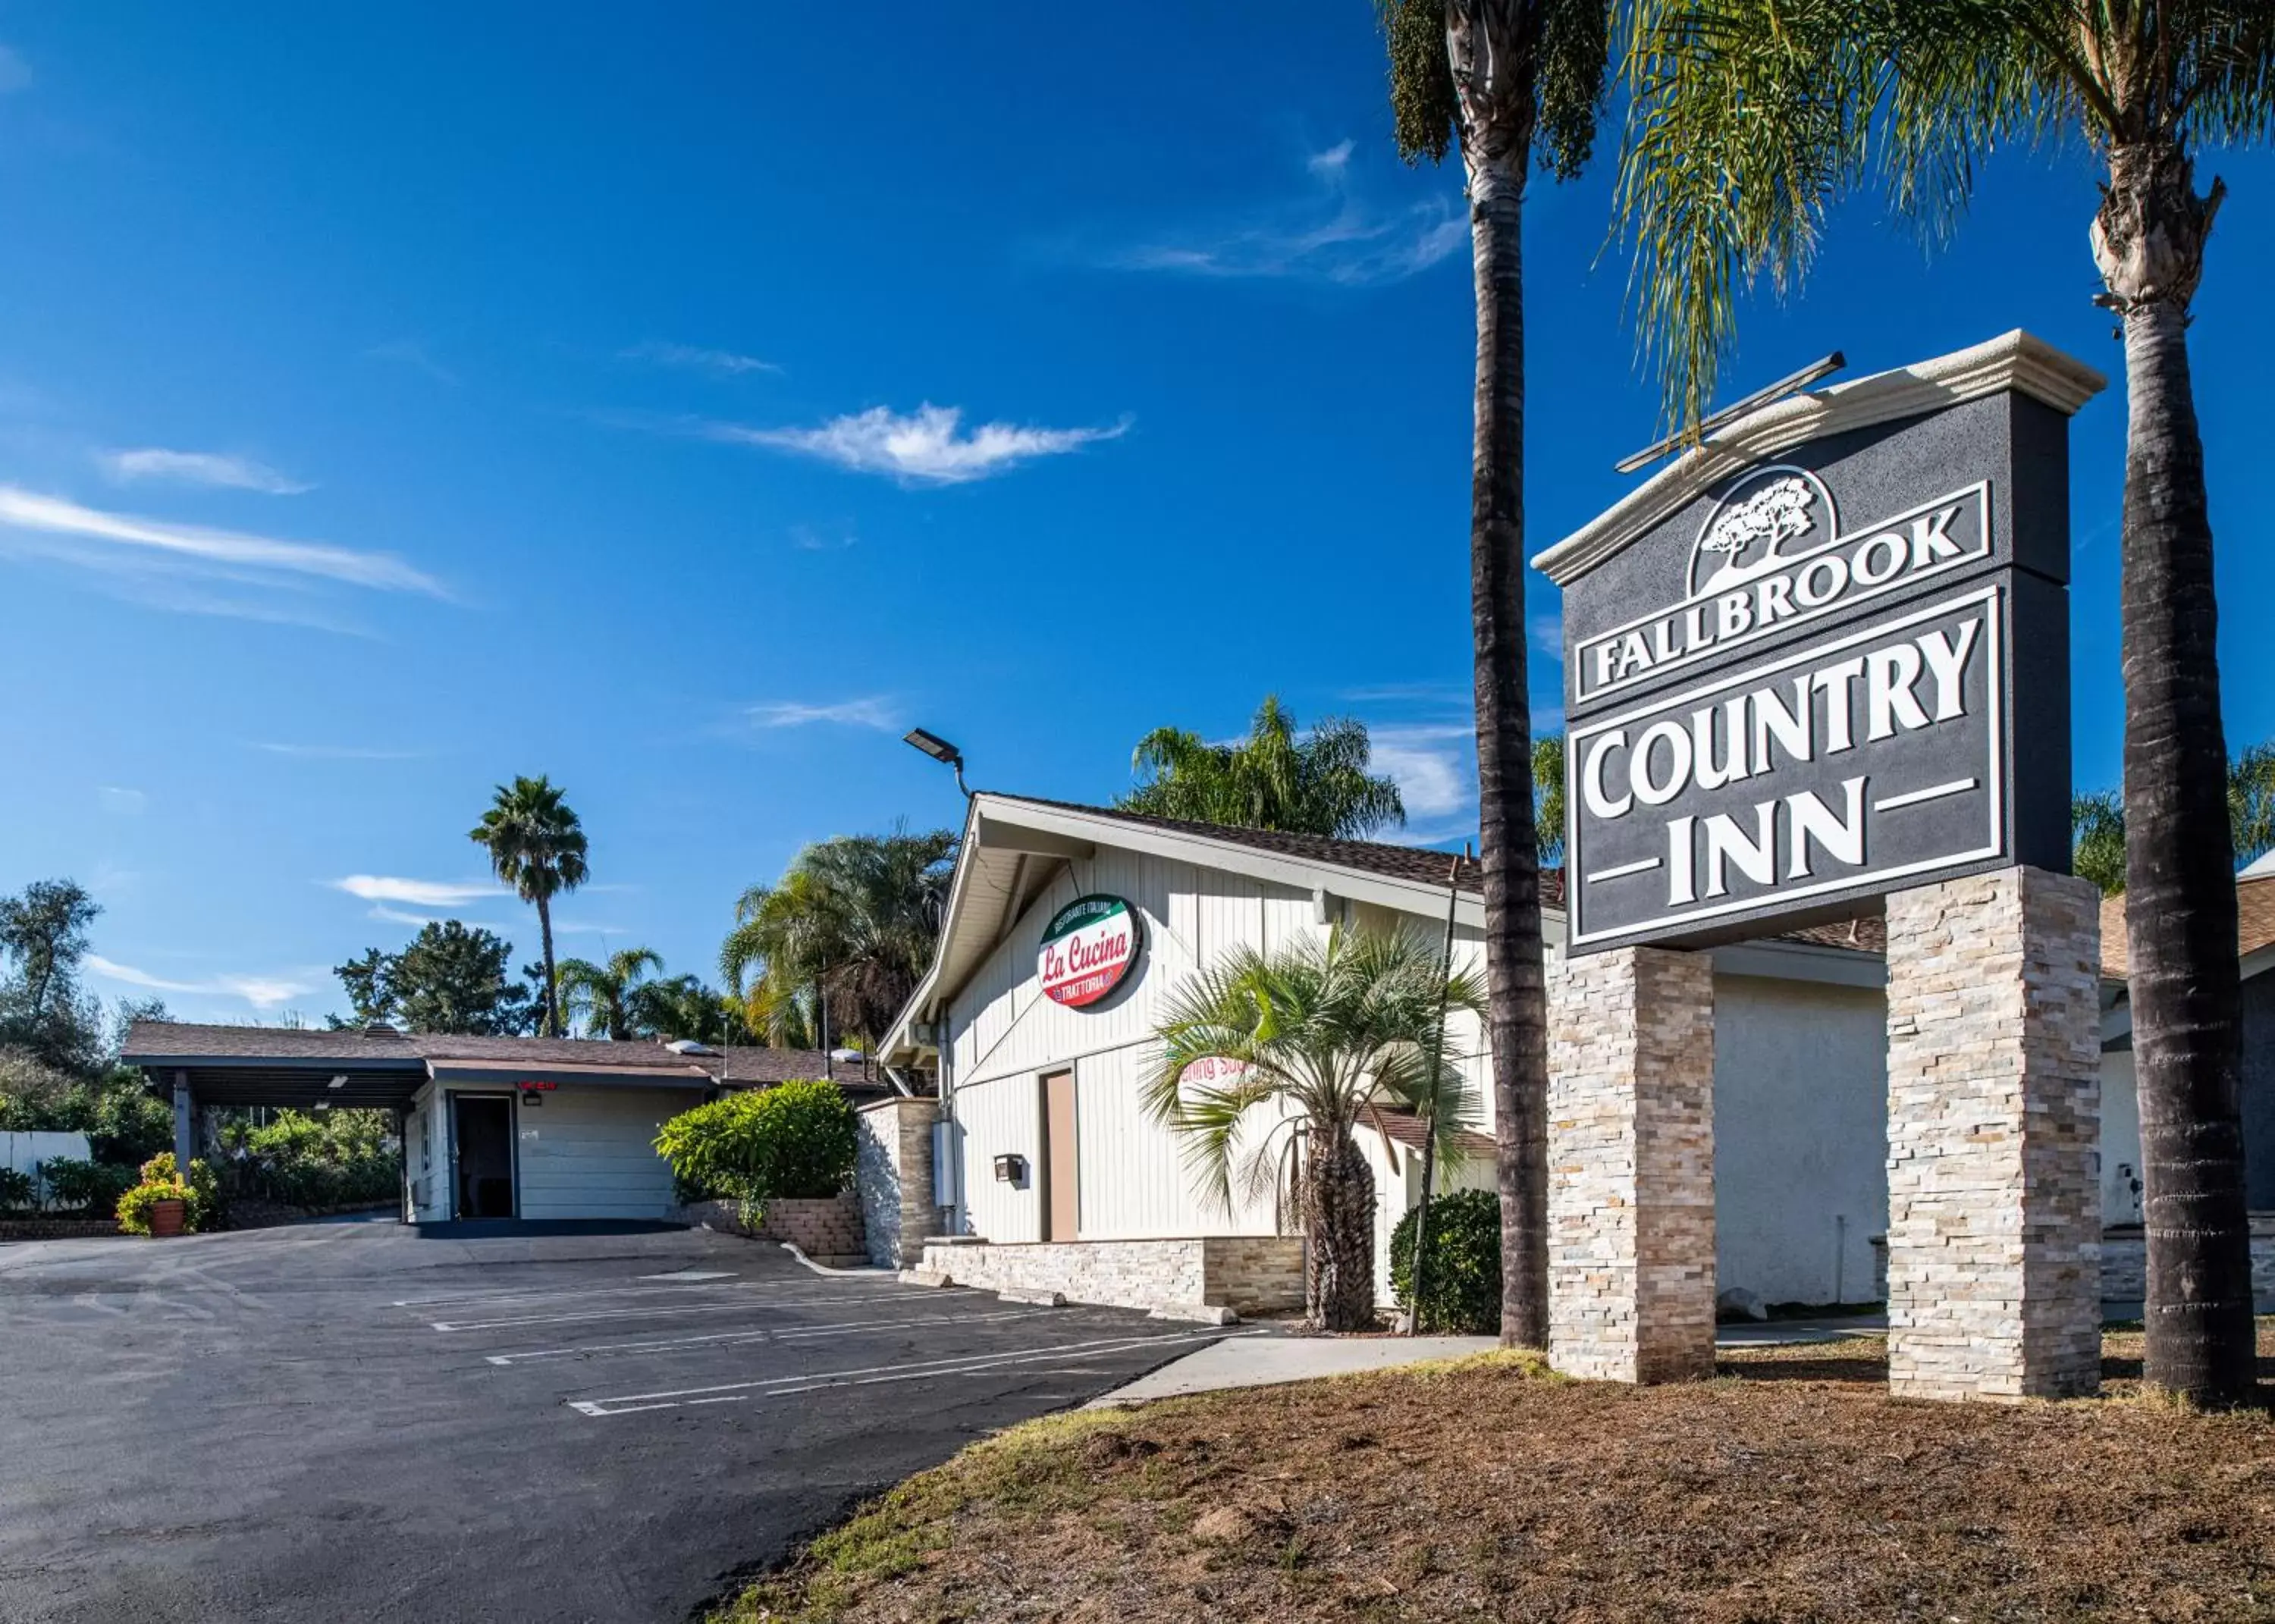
(1834, 671)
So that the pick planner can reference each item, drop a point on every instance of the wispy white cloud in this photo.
(409, 352)
(417, 892)
(15, 72)
(128, 803)
(876, 713)
(929, 446)
(809, 538)
(334, 752)
(1336, 233)
(261, 991)
(726, 363)
(198, 468)
(1547, 635)
(395, 916)
(254, 557)
(1430, 765)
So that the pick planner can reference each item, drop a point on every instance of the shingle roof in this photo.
(2255, 907)
(1866, 932)
(754, 1065)
(1405, 1128)
(1418, 864)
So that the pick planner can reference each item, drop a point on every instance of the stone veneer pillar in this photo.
(1631, 1165)
(1994, 1107)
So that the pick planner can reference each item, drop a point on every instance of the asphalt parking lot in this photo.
(359, 1422)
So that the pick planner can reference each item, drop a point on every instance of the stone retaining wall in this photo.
(56, 1228)
(1249, 1274)
(827, 1229)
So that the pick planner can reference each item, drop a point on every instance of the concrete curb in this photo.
(869, 1270)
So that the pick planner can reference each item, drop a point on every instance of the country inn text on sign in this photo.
(1864, 697)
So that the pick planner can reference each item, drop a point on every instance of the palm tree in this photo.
(1319, 1031)
(1270, 779)
(684, 1006)
(851, 924)
(601, 997)
(1548, 796)
(1748, 118)
(537, 847)
(2097, 821)
(1498, 79)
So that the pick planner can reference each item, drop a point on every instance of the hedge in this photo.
(1462, 1283)
(795, 1139)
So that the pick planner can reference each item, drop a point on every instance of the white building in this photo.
(1045, 1140)
(532, 1129)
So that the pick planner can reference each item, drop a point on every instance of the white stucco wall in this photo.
(1801, 1132)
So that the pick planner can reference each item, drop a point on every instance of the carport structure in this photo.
(539, 1128)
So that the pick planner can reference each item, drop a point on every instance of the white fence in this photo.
(24, 1152)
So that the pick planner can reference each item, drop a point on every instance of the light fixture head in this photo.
(340, 1081)
(938, 748)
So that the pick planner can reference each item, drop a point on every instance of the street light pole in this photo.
(940, 750)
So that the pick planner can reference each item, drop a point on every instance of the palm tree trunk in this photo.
(2180, 893)
(1338, 1218)
(1515, 987)
(552, 986)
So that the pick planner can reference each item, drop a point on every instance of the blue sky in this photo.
(684, 403)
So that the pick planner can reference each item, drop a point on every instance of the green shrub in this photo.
(313, 1160)
(18, 1191)
(201, 1195)
(88, 1186)
(1462, 1283)
(795, 1139)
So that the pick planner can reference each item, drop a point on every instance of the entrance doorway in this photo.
(1061, 1204)
(481, 1143)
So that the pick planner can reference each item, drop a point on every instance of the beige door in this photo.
(1062, 1209)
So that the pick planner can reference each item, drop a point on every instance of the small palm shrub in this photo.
(795, 1139)
(86, 1186)
(200, 1195)
(1462, 1286)
(18, 1191)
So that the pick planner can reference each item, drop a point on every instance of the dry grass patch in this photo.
(1790, 1487)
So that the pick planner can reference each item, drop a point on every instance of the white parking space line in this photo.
(784, 1387)
(668, 1309)
(728, 1338)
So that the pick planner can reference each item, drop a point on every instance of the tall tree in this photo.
(601, 997)
(684, 1006)
(1313, 1034)
(852, 922)
(43, 938)
(1503, 81)
(537, 847)
(1277, 778)
(1748, 119)
(451, 977)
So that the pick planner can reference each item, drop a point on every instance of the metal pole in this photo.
(185, 1129)
(1430, 1122)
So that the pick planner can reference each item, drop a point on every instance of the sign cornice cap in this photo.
(2015, 361)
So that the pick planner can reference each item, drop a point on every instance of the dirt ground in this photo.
(1788, 1488)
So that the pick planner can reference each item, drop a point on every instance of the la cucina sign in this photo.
(1087, 951)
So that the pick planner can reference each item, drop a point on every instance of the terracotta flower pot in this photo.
(166, 1217)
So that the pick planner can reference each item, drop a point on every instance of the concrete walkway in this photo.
(1264, 1361)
